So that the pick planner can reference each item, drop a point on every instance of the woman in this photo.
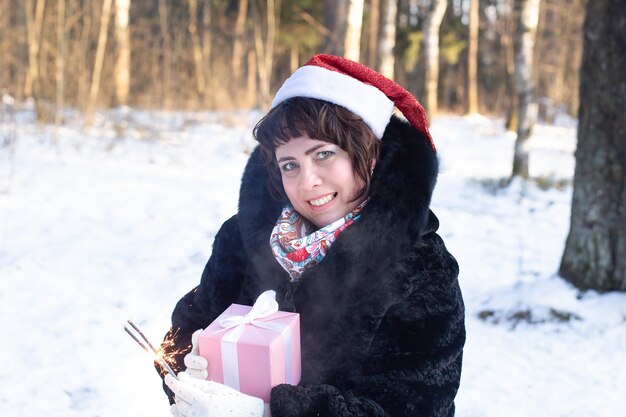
(382, 317)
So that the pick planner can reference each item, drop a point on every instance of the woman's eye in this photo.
(325, 154)
(289, 166)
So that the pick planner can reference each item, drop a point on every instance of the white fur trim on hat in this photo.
(364, 100)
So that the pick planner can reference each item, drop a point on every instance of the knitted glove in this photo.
(196, 364)
(197, 398)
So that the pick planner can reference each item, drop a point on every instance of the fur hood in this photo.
(365, 273)
(395, 217)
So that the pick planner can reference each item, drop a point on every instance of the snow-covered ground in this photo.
(96, 229)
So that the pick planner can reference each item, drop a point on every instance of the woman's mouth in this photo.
(323, 200)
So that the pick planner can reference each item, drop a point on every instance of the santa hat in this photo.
(356, 87)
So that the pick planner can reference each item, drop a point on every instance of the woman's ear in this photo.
(372, 167)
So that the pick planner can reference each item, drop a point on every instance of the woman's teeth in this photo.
(323, 200)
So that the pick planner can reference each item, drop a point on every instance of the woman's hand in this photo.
(196, 364)
(196, 398)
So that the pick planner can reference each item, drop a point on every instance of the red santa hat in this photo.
(356, 87)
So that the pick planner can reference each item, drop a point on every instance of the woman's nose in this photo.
(310, 178)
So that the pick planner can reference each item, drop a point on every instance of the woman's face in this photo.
(318, 179)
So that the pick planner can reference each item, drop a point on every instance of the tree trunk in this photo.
(206, 41)
(252, 79)
(34, 25)
(5, 43)
(352, 49)
(60, 64)
(388, 38)
(85, 48)
(527, 20)
(97, 67)
(265, 50)
(595, 251)
(372, 41)
(167, 55)
(472, 58)
(237, 58)
(294, 57)
(122, 64)
(335, 17)
(432, 24)
(509, 56)
(197, 47)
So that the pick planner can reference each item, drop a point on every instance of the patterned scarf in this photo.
(297, 249)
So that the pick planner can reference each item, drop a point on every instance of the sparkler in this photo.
(136, 334)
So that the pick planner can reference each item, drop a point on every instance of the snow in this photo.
(115, 222)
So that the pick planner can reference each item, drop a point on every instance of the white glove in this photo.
(196, 398)
(196, 364)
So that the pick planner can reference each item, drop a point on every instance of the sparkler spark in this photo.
(137, 334)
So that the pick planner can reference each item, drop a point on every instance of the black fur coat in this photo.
(382, 317)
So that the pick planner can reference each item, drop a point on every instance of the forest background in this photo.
(224, 54)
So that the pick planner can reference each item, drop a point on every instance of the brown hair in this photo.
(319, 120)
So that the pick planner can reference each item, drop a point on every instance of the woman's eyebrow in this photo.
(308, 152)
(313, 149)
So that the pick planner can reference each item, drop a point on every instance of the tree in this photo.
(34, 25)
(99, 61)
(265, 42)
(372, 40)
(595, 250)
(167, 54)
(472, 58)
(60, 64)
(432, 25)
(388, 38)
(237, 58)
(122, 63)
(197, 47)
(527, 20)
(335, 16)
(352, 42)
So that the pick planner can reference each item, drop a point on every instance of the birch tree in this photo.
(34, 24)
(84, 43)
(60, 64)
(432, 25)
(335, 17)
(206, 38)
(352, 48)
(122, 63)
(264, 46)
(595, 250)
(388, 38)
(237, 58)
(527, 20)
(196, 46)
(105, 18)
(167, 54)
(472, 58)
(373, 39)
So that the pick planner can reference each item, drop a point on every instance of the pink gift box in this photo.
(253, 357)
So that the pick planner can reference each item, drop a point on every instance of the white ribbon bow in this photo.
(264, 306)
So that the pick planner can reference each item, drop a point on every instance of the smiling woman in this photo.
(339, 192)
(325, 122)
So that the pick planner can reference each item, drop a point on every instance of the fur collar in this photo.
(366, 272)
(394, 218)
